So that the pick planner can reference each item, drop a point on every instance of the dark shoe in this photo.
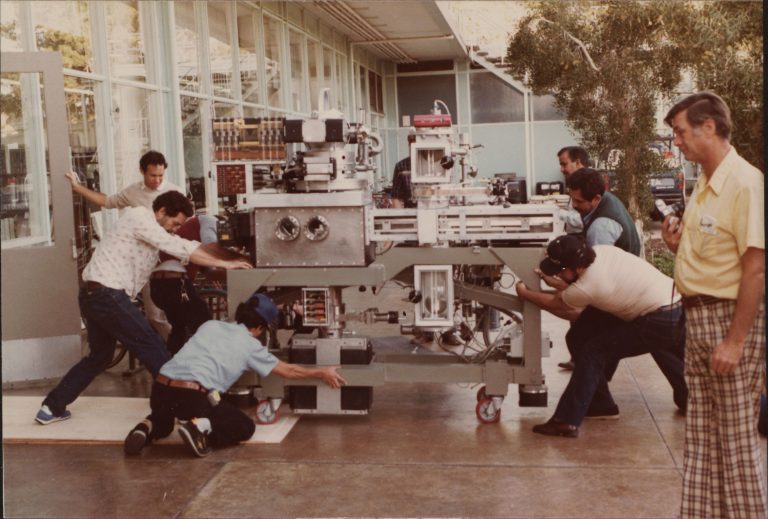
(567, 365)
(611, 413)
(195, 440)
(449, 338)
(136, 439)
(556, 428)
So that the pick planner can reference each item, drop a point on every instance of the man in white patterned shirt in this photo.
(119, 268)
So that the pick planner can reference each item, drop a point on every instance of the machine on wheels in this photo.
(312, 229)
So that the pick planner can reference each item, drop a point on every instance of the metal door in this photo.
(40, 317)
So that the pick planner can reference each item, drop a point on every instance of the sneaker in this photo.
(195, 440)
(611, 413)
(45, 416)
(136, 440)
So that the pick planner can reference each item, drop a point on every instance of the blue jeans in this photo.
(663, 330)
(109, 317)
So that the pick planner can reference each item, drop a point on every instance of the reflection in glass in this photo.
(314, 79)
(130, 116)
(274, 59)
(341, 72)
(224, 110)
(249, 63)
(297, 73)
(187, 61)
(192, 139)
(219, 48)
(125, 45)
(64, 27)
(10, 27)
(25, 212)
(328, 74)
(81, 121)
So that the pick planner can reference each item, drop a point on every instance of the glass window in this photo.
(224, 110)
(192, 139)
(187, 54)
(362, 98)
(544, 109)
(130, 115)
(25, 211)
(341, 73)
(10, 27)
(274, 59)
(249, 63)
(416, 95)
(297, 70)
(314, 73)
(81, 120)
(494, 101)
(219, 48)
(373, 94)
(328, 74)
(64, 27)
(125, 45)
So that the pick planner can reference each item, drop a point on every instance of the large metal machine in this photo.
(311, 228)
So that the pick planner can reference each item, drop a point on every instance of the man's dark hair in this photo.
(587, 180)
(153, 158)
(245, 314)
(174, 203)
(703, 106)
(576, 153)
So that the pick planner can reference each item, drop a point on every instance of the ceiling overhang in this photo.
(400, 31)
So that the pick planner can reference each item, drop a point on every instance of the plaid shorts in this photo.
(723, 467)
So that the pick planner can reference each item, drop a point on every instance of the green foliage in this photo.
(605, 63)
(608, 64)
(723, 43)
(660, 257)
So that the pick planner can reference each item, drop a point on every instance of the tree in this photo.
(722, 43)
(606, 64)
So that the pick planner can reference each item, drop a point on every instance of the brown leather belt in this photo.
(701, 300)
(186, 384)
(168, 274)
(93, 285)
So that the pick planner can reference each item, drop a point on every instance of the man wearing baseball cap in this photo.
(650, 318)
(209, 363)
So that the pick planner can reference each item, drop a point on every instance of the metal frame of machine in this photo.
(313, 230)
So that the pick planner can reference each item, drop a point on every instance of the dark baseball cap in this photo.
(263, 306)
(563, 252)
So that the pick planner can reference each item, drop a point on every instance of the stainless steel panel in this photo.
(343, 247)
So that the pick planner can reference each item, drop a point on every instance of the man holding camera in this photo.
(720, 272)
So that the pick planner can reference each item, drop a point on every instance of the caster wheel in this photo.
(487, 412)
(265, 415)
(481, 395)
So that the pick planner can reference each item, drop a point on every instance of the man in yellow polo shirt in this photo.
(720, 272)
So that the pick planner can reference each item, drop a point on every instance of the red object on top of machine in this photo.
(431, 121)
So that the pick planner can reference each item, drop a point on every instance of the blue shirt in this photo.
(603, 231)
(218, 354)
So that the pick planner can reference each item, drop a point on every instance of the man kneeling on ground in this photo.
(650, 318)
(211, 361)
